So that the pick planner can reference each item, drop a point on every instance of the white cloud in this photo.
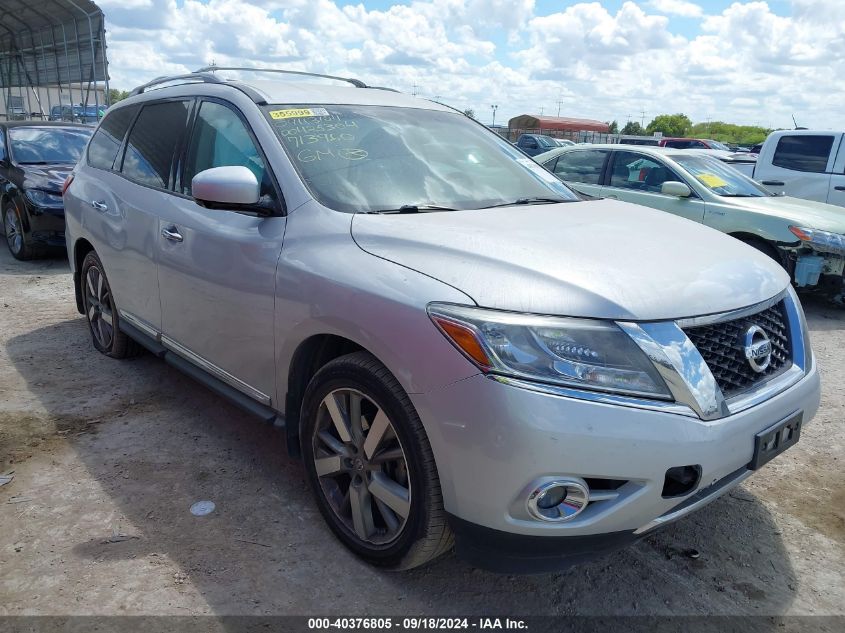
(748, 64)
(680, 8)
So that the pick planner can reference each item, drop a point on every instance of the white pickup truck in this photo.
(804, 164)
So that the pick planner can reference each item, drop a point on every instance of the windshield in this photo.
(720, 178)
(377, 158)
(47, 144)
(718, 145)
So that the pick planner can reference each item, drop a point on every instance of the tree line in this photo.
(680, 125)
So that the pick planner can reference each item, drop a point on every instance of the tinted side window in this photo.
(221, 139)
(2, 144)
(803, 153)
(152, 143)
(107, 139)
(635, 171)
(582, 166)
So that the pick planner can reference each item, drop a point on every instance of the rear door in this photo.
(581, 169)
(118, 216)
(800, 165)
(216, 266)
(638, 178)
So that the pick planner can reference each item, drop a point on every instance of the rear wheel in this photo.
(16, 239)
(370, 465)
(103, 319)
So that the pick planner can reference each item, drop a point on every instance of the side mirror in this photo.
(225, 186)
(677, 189)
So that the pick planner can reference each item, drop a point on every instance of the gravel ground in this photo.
(108, 457)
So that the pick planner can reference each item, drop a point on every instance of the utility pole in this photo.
(415, 89)
(494, 108)
(541, 110)
(642, 121)
(558, 106)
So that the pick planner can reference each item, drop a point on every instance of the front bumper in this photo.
(46, 225)
(492, 442)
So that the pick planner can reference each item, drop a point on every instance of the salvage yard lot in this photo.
(108, 457)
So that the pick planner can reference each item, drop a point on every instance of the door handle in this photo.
(840, 187)
(99, 205)
(773, 183)
(171, 233)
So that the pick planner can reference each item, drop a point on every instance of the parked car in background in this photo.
(564, 142)
(458, 344)
(77, 114)
(692, 143)
(35, 159)
(807, 238)
(804, 164)
(755, 149)
(639, 140)
(533, 144)
(742, 162)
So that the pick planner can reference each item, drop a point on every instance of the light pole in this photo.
(494, 108)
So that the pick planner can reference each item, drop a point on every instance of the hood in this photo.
(600, 259)
(797, 211)
(46, 177)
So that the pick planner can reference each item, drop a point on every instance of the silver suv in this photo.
(461, 349)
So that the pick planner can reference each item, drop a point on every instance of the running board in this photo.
(240, 400)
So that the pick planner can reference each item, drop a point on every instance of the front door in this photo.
(217, 268)
(637, 178)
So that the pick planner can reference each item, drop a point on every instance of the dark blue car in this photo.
(533, 144)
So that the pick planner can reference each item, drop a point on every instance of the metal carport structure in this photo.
(52, 52)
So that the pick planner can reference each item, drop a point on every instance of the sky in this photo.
(751, 62)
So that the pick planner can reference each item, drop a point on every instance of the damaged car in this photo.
(806, 237)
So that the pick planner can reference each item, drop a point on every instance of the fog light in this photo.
(681, 480)
(558, 500)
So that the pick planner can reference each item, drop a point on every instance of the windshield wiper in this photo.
(411, 208)
(524, 201)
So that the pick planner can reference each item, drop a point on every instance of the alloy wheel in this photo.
(361, 466)
(99, 307)
(14, 234)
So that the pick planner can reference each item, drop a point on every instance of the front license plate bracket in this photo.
(772, 441)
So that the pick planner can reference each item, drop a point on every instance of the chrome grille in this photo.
(721, 346)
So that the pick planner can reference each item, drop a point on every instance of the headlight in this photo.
(42, 198)
(823, 241)
(582, 353)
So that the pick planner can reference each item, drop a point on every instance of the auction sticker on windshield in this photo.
(298, 113)
(712, 180)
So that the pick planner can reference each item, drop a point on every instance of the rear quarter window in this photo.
(107, 139)
(803, 152)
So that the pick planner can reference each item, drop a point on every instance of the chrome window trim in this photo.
(600, 397)
(720, 317)
(214, 370)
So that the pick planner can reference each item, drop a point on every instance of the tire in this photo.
(19, 246)
(100, 312)
(383, 480)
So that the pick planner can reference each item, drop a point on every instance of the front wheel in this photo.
(16, 239)
(370, 465)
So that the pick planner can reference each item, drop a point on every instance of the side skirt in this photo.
(242, 401)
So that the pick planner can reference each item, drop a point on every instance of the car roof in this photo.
(320, 92)
(666, 152)
(35, 123)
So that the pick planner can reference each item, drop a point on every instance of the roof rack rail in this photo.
(197, 76)
(355, 82)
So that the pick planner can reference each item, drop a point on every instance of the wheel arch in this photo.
(770, 246)
(310, 355)
(80, 249)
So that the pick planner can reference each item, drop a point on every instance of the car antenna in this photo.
(797, 127)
